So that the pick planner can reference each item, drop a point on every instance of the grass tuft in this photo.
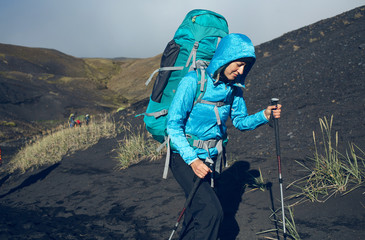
(136, 147)
(258, 182)
(330, 172)
(51, 147)
(291, 229)
(7, 124)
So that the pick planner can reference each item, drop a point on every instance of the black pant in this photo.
(204, 216)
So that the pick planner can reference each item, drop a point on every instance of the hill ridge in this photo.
(85, 197)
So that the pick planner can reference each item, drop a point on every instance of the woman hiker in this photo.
(197, 130)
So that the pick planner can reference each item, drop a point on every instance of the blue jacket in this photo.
(200, 120)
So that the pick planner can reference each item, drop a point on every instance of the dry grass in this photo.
(290, 226)
(330, 172)
(135, 147)
(51, 147)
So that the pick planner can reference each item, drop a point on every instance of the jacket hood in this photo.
(232, 47)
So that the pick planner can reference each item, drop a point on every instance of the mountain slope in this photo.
(85, 197)
(40, 88)
(316, 71)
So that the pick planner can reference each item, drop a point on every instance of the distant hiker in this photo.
(71, 120)
(87, 119)
(78, 123)
(197, 129)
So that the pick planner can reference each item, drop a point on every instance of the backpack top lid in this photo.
(200, 23)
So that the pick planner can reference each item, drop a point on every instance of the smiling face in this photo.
(234, 69)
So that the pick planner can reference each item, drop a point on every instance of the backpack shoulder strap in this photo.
(193, 55)
(202, 86)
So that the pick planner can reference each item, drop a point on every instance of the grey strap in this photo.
(210, 161)
(219, 122)
(202, 82)
(193, 55)
(161, 146)
(167, 160)
(201, 64)
(220, 159)
(216, 105)
(218, 41)
(162, 69)
(206, 145)
(202, 79)
(163, 112)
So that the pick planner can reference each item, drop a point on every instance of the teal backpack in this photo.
(191, 49)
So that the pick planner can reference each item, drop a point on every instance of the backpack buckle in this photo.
(220, 104)
(198, 143)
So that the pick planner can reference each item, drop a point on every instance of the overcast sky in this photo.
(142, 28)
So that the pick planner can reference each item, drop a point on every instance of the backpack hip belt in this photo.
(197, 143)
(211, 143)
(216, 166)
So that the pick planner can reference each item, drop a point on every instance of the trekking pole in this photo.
(186, 205)
(210, 163)
(274, 102)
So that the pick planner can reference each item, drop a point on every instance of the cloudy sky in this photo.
(142, 28)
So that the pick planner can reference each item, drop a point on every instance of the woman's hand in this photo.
(199, 168)
(276, 110)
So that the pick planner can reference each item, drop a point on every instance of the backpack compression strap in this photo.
(163, 69)
(193, 65)
(163, 112)
(202, 65)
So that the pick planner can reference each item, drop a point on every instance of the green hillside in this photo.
(40, 88)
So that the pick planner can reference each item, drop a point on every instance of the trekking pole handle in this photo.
(210, 163)
(274, 102)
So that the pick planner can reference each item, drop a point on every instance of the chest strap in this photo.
(216, 106)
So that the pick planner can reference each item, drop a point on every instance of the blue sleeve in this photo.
(179, 110)
(240, 118)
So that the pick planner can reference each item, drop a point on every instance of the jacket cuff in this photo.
(193, 161)
(264, 116)
(188, 154)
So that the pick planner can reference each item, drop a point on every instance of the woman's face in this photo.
(234, 69)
